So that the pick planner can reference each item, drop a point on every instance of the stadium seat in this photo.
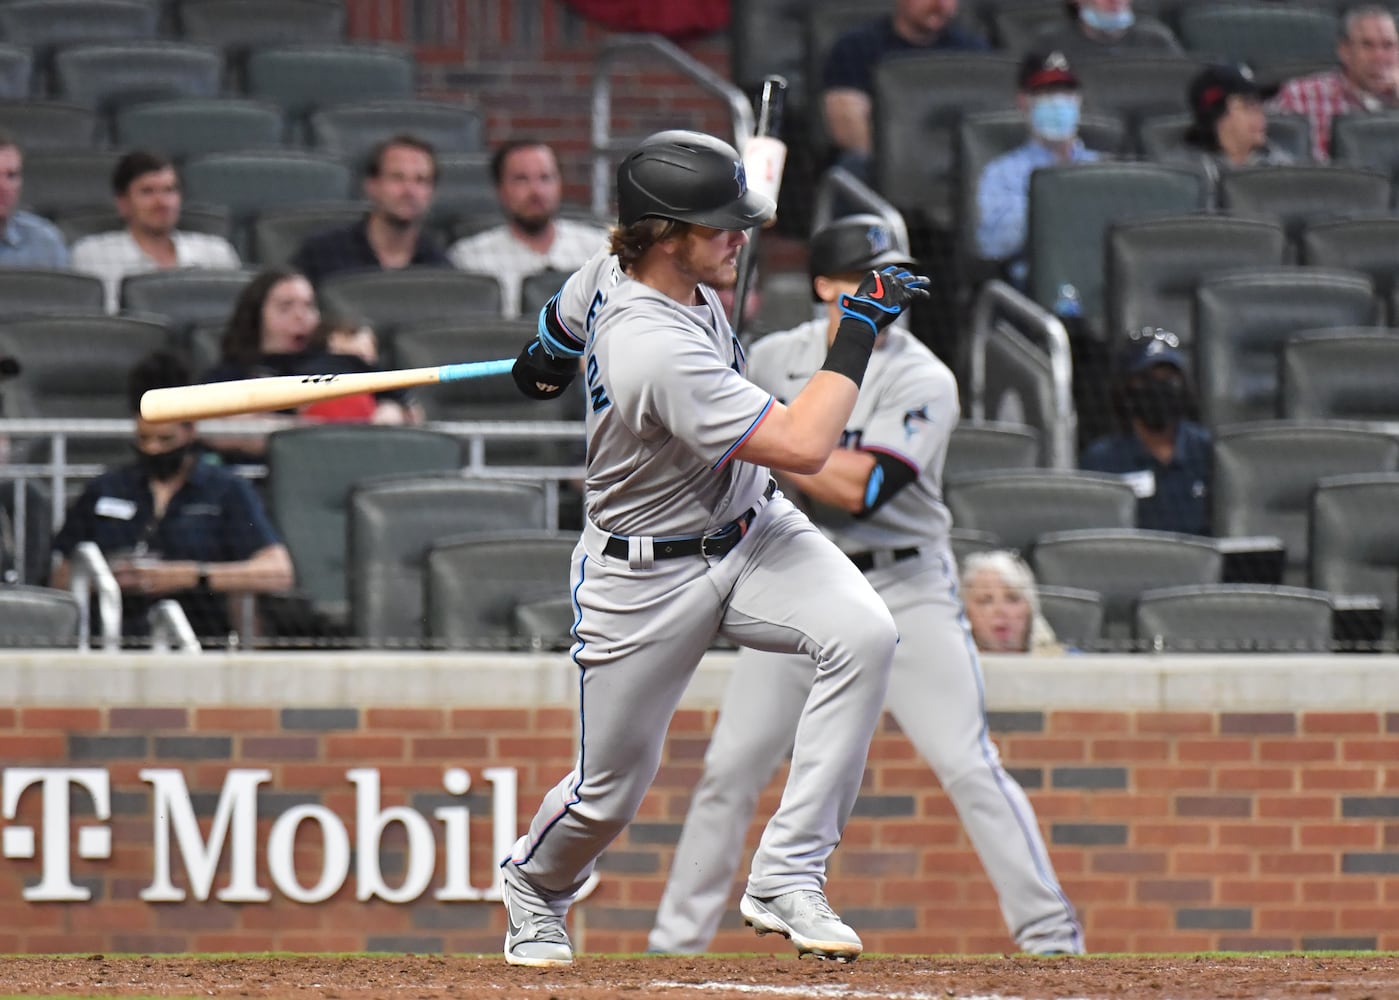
(250, 184)
(43, 26)
(1234, 618)
(965, 541)
(48, 125)
(16, 69)
(464, 189)
(1145, 86)
(1258, 34)
(1345, 374)
(311, 471)
(37, 617)
(1299, 195)
(1354, 538)
(81, 222)
(1154, 266)
(38, 292)
(1120, 564)
(236, 26)
(106, 77)
(1018, 507)
(1265, 474)
(523, 567)
(1071, 208)
(1016, 27)
(394, 522)
(36, 528)
(785, 302)
(351, 131)
(1161, 138)
(303, 78)
(187, 127)
(1243, 319)
(60, 182)
(546, 622)
(768, 36)
(414, 295)
(918, 103)
(1368, 140)
(977, 448)
(539, 288)
(1359, 245)
(279, 233)
(184, 298)
(1075, 615)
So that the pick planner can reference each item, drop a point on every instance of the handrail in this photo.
(838, 180)
(740, 110)
(170, 628)
(90, 572)
(999, 301)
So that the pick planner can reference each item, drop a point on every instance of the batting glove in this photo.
(883, 295)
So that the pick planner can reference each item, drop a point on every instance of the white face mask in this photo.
(1110, 21)
(1054, 117)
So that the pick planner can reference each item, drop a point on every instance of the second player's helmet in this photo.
(853, 243)
(689, 177)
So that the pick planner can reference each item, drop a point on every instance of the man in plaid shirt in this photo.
(1368, 80)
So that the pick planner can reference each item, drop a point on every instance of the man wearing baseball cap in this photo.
(1230, 128)
(1163, 454)
(1051, 99)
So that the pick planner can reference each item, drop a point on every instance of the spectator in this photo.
(147, 194)
(1107, 28)
(399, 181)
(1368, 80)
(355, 339)
(1161, 452)
(1230, 129)
(533, 238)
(1003, 606)
(847, 82)
(1050, 97)
(26, 240)
(174, 524)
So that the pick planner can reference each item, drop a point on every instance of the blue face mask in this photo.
(1112, 22)
(1054, 117)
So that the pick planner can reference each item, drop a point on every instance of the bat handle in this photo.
(473, 369)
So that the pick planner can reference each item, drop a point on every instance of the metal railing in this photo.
(837, 182)
(90, 573)
(170, 628)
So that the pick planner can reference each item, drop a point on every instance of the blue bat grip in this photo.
(473, 369)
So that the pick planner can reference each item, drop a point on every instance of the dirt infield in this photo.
(1274, 977)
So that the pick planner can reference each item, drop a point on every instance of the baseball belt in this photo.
(714, 545)
(866, 561)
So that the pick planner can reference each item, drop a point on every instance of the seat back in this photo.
(1265, 474)
(1020, 384)
(186, 297)
(1120, 564)
(350, 132)
(1242, 321)
(16, 67)
(237, 26)
(37, 617)
(768, 36)
(278, 233)
(965, 541)
(1162, 137)
(1369, 140)
(1144, 86)
(392, 525)
(476, 584)
(1018, 507)
(1345, 374)
(976, 448)
(302, 78)
(1075, 615)
(186, 127)
(1300, 194)
(1354, 537)
(538, 288)
(107, 76)
(39, 126)
(1259, 34)
(41, 292)
(1234, 618)
(44, 25)
(311, 471)
(1154, 266)
(414, 295)
(250, 183)
(1358, 245)
(59, 182)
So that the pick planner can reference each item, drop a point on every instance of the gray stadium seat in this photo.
(1258, 34)
(16, 68)
(546, 622)
(239, 25)
(918, 103)
(254, 182)
(1354, 538)
(59, 182)
(1154, 266)
(1265, 474)
(1359, 245)
(1016, 27)
(1075, 615)
(108, 76)
(48, 125)
(43, 26)
(1018, 507)
(36, 526)
(1234, 618)
(1120, 564)
(539, 288)
(77, 223)
(303, 78)
(977, 448)
(1071, 208)
(1243, 320)
(311, 472)
(464, 189)
(37, 617)
(1345, 374)
(523, 568)
(1162, 137)
(394, 522)
(414, 295)
(1299, 195)
(184, 298)
(186, 127)
(279, 233)
(350, 131)
(1144, 86)
(768, 36)
(38, 292)
(1368, 140)
(965, 541)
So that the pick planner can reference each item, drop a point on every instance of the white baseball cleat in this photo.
(532, 939)
(807, 920)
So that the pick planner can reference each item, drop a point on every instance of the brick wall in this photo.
(1171, 831)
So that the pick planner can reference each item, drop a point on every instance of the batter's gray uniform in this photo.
(668, 405)
(907, 409)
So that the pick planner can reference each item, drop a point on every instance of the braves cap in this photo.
(854, 243)
(1046, 71)
(1152, 351)
(1214, 85)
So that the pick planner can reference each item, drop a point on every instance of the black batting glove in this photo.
(883, 295)
(540, 375)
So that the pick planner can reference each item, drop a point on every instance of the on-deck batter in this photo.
(685, 539)
(880, 497)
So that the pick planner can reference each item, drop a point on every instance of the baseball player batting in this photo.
(686, 538)
(880, 498)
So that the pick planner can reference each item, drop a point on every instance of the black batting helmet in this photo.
(853, 243)
(689, 177)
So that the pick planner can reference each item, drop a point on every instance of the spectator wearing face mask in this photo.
(1107, 28)
(1051, 98)
(1162, 453)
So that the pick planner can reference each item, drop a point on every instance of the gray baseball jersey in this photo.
(908, 408)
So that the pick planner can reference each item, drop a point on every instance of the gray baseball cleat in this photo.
(532, 939)
(807, 920)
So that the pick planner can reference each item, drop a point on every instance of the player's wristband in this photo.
(850, 350)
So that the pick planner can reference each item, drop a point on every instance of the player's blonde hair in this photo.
(1016, 574)
(630, 243)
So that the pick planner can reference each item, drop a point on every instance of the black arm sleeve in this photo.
(888, 476)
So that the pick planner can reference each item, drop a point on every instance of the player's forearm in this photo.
(800, 437)
(842, 482)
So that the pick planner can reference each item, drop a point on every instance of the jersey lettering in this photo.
(851, 439)
(740, 364)
(597, 394)
(594, 306)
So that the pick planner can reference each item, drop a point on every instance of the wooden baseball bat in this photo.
(281, 392)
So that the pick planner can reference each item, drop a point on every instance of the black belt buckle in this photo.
(722, 542)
